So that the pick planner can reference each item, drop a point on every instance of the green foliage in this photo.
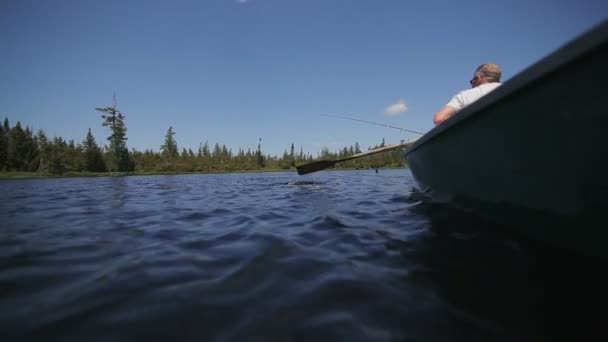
(261, 162)
(52, 156)
(18, 149)
(3, 146)
(93, 158)
(169, 148)
(26, 152)
(43, 146)
(57, 159)
(118, 152)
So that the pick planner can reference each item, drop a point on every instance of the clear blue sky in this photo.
(232, 71)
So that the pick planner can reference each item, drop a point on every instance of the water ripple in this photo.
(332, 256)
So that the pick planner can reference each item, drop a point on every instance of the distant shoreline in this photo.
(37, 175)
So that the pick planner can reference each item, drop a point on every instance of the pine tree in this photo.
(3, 147)
(292, 156)
(199, 154)
(226, 153)
(43, 145)
(118, 137)
(93, 159)
(261, 162)
(17, 149)
(56, 156)
(73, 157)
(206, 152)
(169, 148)
(31, 150)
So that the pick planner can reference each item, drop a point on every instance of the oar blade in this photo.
(315, 166)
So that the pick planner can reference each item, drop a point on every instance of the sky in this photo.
(234, 71)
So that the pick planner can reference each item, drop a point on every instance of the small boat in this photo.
(532, 154)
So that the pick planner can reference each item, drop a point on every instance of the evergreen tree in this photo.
(344, 152)
(52, 154)
(204, 156)
(206, 152)
(6, 128)
(261, 162)
(17, 146)
(217, 152)
(118, 138)
(93, 159)
(43, 145)
(56, 160)
(73, 157)
(31, 150)
(292, 156)
(169, 148)
(325, 154)
(226, 152)
(3, 147)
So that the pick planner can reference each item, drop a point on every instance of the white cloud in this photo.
(396, 108)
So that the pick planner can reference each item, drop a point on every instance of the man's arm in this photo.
(443, 114)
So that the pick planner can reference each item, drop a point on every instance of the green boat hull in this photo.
(532, 154)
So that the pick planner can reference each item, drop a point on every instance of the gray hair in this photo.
(490, 71)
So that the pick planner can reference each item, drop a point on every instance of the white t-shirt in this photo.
(466, 97)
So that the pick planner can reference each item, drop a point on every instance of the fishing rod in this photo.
(373, 123)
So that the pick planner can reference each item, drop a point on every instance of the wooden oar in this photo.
(324, 164)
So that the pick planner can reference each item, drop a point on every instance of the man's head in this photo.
(486, 73)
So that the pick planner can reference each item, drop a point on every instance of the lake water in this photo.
(332, 256)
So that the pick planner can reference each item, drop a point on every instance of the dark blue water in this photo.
(345, 256)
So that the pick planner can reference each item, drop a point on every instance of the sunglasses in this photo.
(474, 79)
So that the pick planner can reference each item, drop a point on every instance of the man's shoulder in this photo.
(468, 96)
(482, 88)
(490, 86)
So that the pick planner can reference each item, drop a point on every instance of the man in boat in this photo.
(485, 79)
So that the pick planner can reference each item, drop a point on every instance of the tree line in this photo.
(22, 150)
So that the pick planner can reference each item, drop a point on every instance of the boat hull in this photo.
(533, 153)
